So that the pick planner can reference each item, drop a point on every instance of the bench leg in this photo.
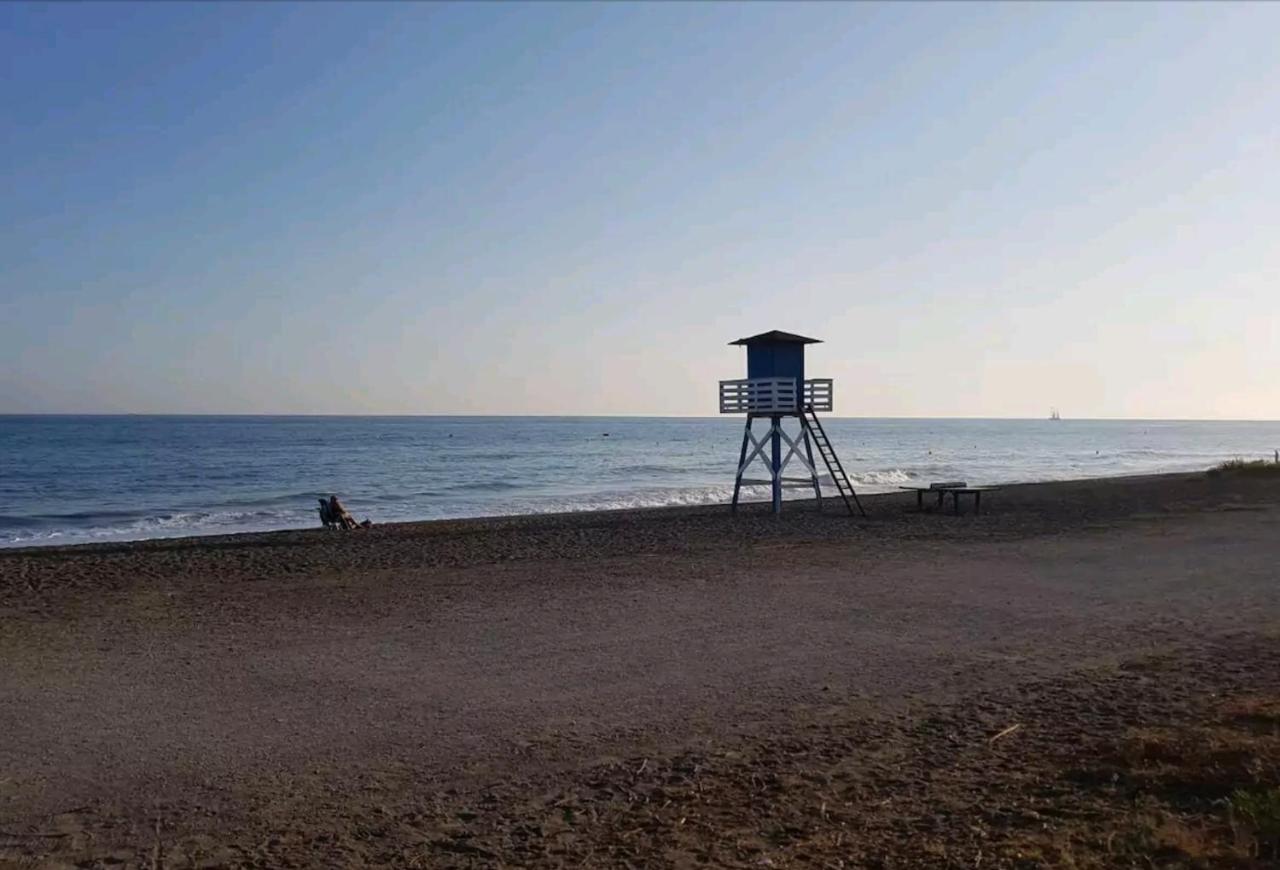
(919, 501)
(977, 504)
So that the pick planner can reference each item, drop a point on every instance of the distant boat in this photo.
(1054, 415)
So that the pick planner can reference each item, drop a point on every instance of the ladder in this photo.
(828, 453)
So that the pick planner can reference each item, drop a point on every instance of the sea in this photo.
(80, 479)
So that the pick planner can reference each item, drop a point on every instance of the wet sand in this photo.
(672, 687)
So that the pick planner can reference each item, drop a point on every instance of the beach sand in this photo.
(1041, 685)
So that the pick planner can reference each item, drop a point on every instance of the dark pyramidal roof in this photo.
(777, 337)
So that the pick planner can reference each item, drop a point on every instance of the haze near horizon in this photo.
(983, 210)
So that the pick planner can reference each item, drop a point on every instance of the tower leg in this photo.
(808, 449)
(742, 457)
(776, 464)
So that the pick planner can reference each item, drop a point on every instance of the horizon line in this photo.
(405, 415)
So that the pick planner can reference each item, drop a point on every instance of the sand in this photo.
(661, 687)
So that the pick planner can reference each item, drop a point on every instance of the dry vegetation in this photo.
(1259, 467)
(1110, 771)
(1171, 762)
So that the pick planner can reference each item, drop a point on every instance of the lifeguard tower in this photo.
(775, 388)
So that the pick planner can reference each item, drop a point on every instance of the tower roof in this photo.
(775, 336)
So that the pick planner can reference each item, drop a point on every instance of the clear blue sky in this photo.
(494, 208)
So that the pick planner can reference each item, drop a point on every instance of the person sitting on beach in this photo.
(338, 514)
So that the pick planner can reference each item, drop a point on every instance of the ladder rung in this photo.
(838, 475)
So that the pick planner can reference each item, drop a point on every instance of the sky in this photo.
(983, 210)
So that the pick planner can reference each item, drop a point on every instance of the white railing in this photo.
(772, 395)
(817, 394)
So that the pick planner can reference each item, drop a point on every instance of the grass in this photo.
(1240, 465)
(1205, 795)
(1258, 812)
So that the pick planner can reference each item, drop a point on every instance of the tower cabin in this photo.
(775, 389)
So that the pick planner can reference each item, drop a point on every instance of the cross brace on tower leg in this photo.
(769, 451)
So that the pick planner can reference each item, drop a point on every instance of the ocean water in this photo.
(70, 480)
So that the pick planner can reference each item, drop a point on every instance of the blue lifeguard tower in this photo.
(775, 388)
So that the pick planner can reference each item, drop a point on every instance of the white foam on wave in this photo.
(879, 481)
(167, 525)
(691, 496)
(215, 522)
(870, 482)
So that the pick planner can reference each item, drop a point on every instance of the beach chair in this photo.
(334, 516)
(338, 515)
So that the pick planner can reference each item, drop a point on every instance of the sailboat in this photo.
(1054, 415)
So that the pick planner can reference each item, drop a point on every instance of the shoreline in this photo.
(104, 481)
(789, 505)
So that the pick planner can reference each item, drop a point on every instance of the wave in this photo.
(294, 509)
(400, 497)
(484, 486)
(888, 478)
(691, 496)
(711, 494)
(648, 468)
(113, 526)
(69, 517)
(306, 495)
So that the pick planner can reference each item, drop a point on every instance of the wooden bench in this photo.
(956, 489)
